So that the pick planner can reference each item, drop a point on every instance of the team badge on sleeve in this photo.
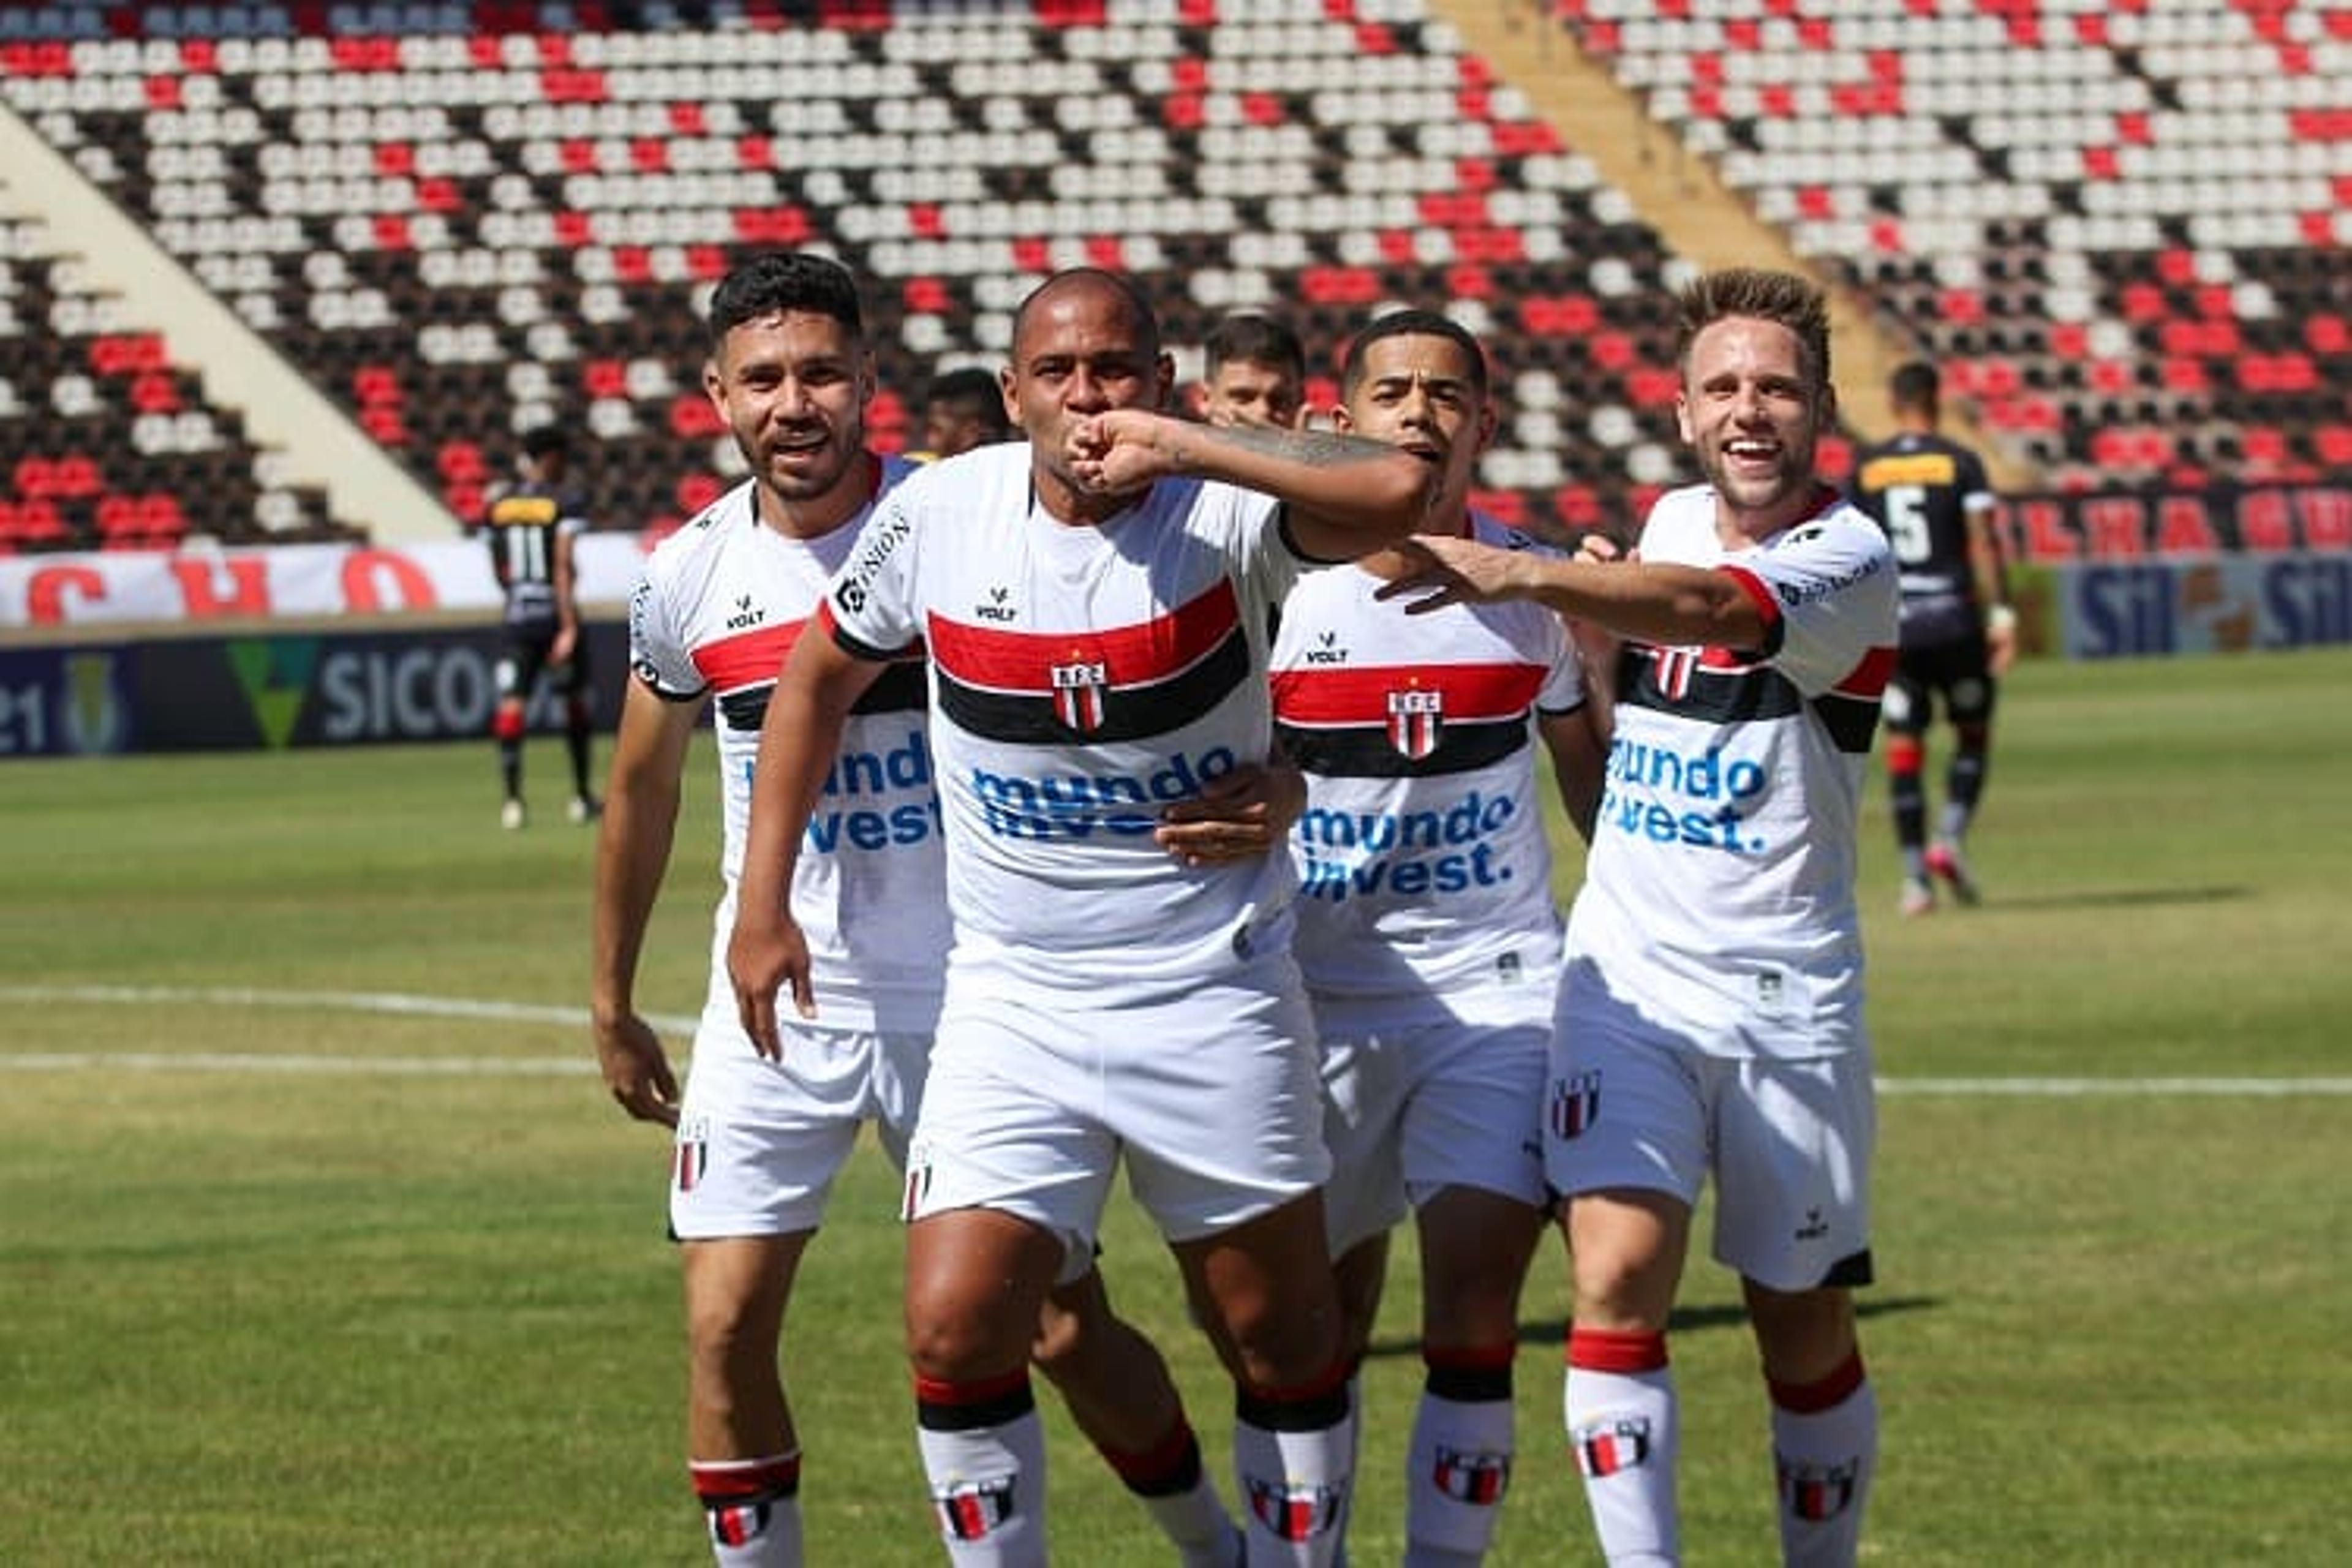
(1415, 718)
(971, 1510)
(1605, 1447)
(1575, 1103)
(1471, 1477)
(1293, 1511)
(1817, 1492)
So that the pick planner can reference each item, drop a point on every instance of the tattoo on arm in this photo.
(1315, 448)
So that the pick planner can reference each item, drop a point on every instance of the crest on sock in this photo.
(1472, 1478)
(1294, 1510)
(970, 1511)
(1605, 1447)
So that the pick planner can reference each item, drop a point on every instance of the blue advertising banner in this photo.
(2231, 604)
(273, 690)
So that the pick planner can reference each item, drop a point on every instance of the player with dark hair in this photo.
(1095, 605)
(1426, 929)
(1931, 495)
(1253, 373)
(964, 409)
(1710, 1018)
(532, 526)
(761, 1133)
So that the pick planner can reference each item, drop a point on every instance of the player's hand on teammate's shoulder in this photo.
(637, 1069)
(1436, 571)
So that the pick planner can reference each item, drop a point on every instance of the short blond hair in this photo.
(1758, 294)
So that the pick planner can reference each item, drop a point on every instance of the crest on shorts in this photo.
(1817, 1492)
(1294, 1510)
(1575, 1104)
(971, 1510)
(1078, 690)
(1605, 1447)
(690, 1157)
(1415, 718)
(918, 1187)
(1471, 1477)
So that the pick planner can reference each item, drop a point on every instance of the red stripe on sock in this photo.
(1158, 1462)
(943, 1390)
(1812, 1398)
(726, 1480)
(1614, 1350)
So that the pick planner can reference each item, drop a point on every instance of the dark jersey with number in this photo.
(522, 528)
(1919, 489)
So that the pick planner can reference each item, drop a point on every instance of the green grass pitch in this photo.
(404, 1296)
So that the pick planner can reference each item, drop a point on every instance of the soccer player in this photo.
(1096, 606)
(1426, 929)
(1253, 373)
(531, 529)
(962, 409)
(758, 1138)
(1931, 496)
(1710, 1018)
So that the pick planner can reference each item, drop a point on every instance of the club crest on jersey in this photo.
(1818, 1492)
(1078, 691)
(1471, 1477)
(1415, 718)
(1675, 669)
(1294, 1511)
(970, 1511)
(1605, 1447)
(1575, 1104)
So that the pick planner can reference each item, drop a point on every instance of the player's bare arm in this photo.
(567, 602)
(1578, 745)
(1670, 605)
(1989, 567)
(1348, 495)
(633, 850)
(801, 733)
(1238, 815)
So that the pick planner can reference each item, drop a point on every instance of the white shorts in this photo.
(1411, 1110)
(1789, 1142)
(759, 1143)
(1036, 1096)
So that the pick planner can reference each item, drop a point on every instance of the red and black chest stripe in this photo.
(1403, 720)
(1105, 684)
(741, 671)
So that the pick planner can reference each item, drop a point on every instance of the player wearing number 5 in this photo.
(531, 529)
(1931, 496)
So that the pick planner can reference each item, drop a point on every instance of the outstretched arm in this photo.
(632, 849)
(798, 740)
(1670, 605)
(1348, 495)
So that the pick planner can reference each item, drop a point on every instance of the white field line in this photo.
(400, 1004)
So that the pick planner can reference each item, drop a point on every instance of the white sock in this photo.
(1459, 1465)
(984, 1454)
(1621, 1420)
(1824, 1448)
(753, 1509)
(1293, 1454)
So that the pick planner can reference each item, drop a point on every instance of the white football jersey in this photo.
(1083, 679)
(1720, 894)
(1424, 870)
(721, 603)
